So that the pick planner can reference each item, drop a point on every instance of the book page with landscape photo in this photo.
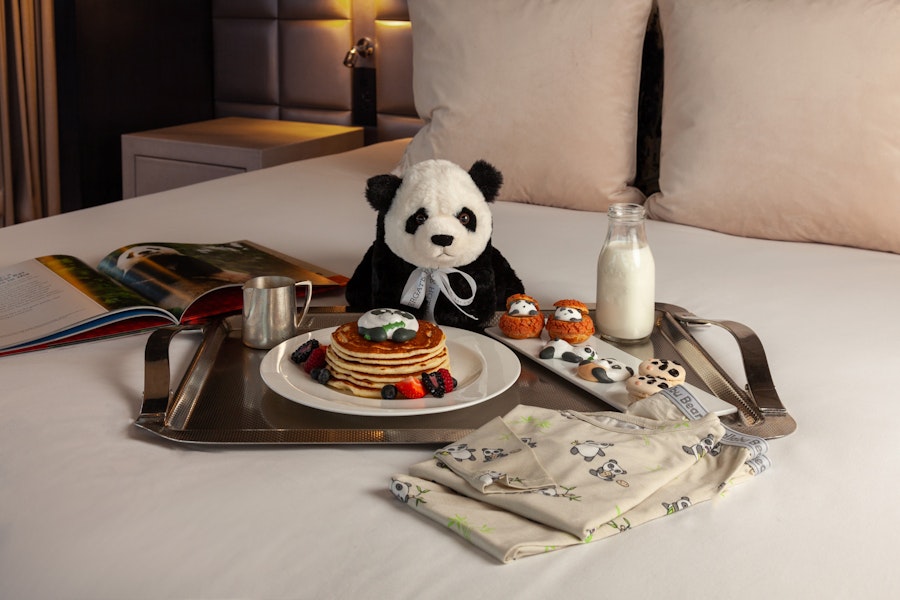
(180, 277)
(59, 299)
(41, 296)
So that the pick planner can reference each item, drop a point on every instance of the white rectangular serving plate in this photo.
(613, 394)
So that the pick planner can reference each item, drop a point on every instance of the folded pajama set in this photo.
(538, 480)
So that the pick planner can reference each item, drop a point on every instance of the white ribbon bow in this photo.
(429, 284)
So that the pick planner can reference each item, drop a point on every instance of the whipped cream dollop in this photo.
(380, 324)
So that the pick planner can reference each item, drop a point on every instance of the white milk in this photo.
(626, 288)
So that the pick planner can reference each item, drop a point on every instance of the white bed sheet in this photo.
(92, 507)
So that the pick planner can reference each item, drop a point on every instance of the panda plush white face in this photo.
(438, 218)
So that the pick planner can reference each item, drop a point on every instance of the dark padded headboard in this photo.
(283, 59)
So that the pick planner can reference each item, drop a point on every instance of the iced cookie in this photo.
(570, 321)
(642, 386)
(563, 350)
(522, 319)
(604, 370)
(669, 370)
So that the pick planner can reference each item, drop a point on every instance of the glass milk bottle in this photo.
(626, 278)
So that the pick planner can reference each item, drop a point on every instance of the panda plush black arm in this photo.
(506, 282)
(378, 280)
(359, 289)
(362, 288)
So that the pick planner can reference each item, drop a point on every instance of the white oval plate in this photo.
(483, 368)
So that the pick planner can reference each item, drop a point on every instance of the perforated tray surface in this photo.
(222, 399)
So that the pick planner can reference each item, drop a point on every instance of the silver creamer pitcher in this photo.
(270, 310)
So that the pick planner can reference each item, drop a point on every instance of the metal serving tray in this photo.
(221, 399)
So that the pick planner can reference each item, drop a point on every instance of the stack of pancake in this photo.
(362, 367)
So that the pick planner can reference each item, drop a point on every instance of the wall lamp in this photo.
(364, 47)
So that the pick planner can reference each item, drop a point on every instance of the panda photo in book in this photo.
(432, 253)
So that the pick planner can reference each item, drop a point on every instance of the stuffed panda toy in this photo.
(432, 253)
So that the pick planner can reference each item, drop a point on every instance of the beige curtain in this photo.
(29, 142)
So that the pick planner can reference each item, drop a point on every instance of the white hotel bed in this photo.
(93, 507)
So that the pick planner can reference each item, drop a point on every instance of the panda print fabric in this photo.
(539, 479)
(432, 252)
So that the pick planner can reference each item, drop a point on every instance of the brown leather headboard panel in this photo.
(281, 59)
(396, 108)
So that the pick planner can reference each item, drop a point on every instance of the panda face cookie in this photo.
(668, 370)
(563, 350)
(642, 386)
(604, 370)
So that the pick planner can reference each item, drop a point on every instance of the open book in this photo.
(55, 300)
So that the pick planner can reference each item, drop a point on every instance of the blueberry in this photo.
(389, 392)
(323, 375)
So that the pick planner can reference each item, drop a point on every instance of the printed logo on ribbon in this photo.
(685, 402)
(756, 445)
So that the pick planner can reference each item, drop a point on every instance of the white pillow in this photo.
(781, 119)
(546, 91)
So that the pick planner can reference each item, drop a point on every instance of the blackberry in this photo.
(438, 382)
(302, 353)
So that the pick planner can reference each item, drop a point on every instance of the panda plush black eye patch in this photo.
(415, 220)
(467, 218)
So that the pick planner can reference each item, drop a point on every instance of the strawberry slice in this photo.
(411, 388)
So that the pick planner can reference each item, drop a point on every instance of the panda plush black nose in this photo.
(442, 240)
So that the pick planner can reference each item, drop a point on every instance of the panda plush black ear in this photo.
(487, 178)
(380, 191)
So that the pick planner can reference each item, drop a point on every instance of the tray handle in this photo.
(758, 403)
(760, 386)
(157, 377)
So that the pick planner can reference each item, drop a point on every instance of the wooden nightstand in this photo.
(162, 159)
